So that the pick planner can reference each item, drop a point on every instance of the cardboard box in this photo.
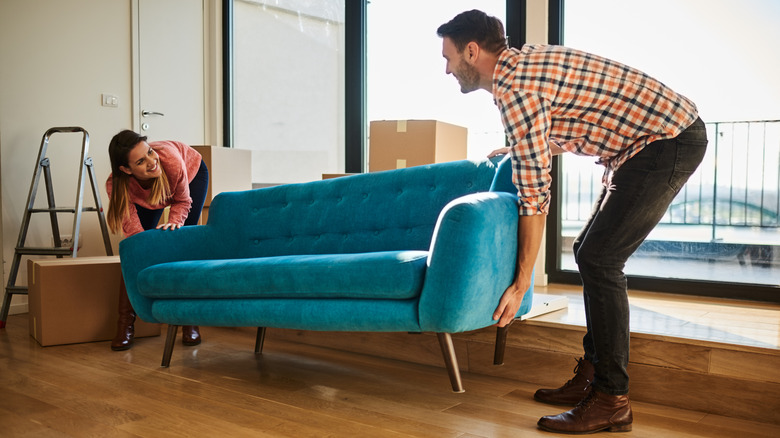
(74, 300)
(395, 144)
(336, 175)
(204, 216)
(230, 169)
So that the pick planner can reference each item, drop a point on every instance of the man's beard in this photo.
(468, 77)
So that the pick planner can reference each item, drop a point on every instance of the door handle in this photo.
(146, 113)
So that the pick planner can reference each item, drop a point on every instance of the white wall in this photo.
(536, 21)
(536, 33)
(56, 59)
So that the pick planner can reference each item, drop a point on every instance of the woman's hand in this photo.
(168, 226)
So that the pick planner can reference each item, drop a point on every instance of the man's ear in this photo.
(471, 52)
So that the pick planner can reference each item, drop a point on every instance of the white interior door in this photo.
(169, 79)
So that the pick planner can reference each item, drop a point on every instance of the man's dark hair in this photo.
(476, 26)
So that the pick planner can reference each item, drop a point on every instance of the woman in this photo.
(145, 178)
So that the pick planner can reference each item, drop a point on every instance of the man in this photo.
(650, 139)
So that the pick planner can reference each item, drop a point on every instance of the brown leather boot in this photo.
(125, 325)
(573, 391)
(596, 412)
(190, 335)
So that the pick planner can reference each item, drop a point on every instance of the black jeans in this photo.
(198, 188)
(628, 209)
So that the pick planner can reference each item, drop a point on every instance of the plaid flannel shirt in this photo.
(584, 104)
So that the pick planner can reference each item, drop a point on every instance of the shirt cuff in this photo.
(533, 205)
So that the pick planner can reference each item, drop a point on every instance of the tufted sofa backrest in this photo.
(381, 211)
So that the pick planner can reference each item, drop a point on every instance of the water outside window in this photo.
(722, 54)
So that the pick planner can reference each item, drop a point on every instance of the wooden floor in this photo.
(221, 388)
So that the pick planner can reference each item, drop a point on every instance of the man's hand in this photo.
(499, 151)
(529, 238)
(510, 302)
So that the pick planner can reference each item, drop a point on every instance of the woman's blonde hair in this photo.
(118, 204)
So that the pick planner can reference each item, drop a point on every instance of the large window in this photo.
(724, 227)
(288, 87)
(309, 75)
(406, 72)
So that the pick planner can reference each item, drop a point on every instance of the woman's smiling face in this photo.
(143, 162)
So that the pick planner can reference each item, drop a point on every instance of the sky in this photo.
(723, 54)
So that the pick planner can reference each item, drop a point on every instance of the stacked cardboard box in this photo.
(230, 170)
(395, 144)
(74, 300)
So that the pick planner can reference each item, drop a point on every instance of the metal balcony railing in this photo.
(736, 186)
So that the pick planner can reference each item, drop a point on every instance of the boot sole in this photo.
(615, 428)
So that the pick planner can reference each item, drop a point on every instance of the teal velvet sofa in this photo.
(423, 249)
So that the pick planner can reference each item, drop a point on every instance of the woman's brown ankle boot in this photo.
(125, 326)
(190, 335)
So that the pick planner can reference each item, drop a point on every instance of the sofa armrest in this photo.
(472, 261)
(154, 247)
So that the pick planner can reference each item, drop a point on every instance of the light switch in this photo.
(110, 100)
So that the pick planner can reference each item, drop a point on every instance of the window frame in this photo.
(715, 289)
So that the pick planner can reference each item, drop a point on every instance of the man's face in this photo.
(466, 74)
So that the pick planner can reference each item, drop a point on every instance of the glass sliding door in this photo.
(724, 226)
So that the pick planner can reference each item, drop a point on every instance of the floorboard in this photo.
(221, 388)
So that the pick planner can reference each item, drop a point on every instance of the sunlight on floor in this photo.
(706, 319)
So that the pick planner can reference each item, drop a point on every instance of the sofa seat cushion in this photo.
(375, 275)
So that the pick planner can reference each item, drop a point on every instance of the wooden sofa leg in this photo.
(260, 339)
(170, 341)
(501, 332)
(451, 361)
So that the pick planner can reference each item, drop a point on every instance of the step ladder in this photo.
(43, 167)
